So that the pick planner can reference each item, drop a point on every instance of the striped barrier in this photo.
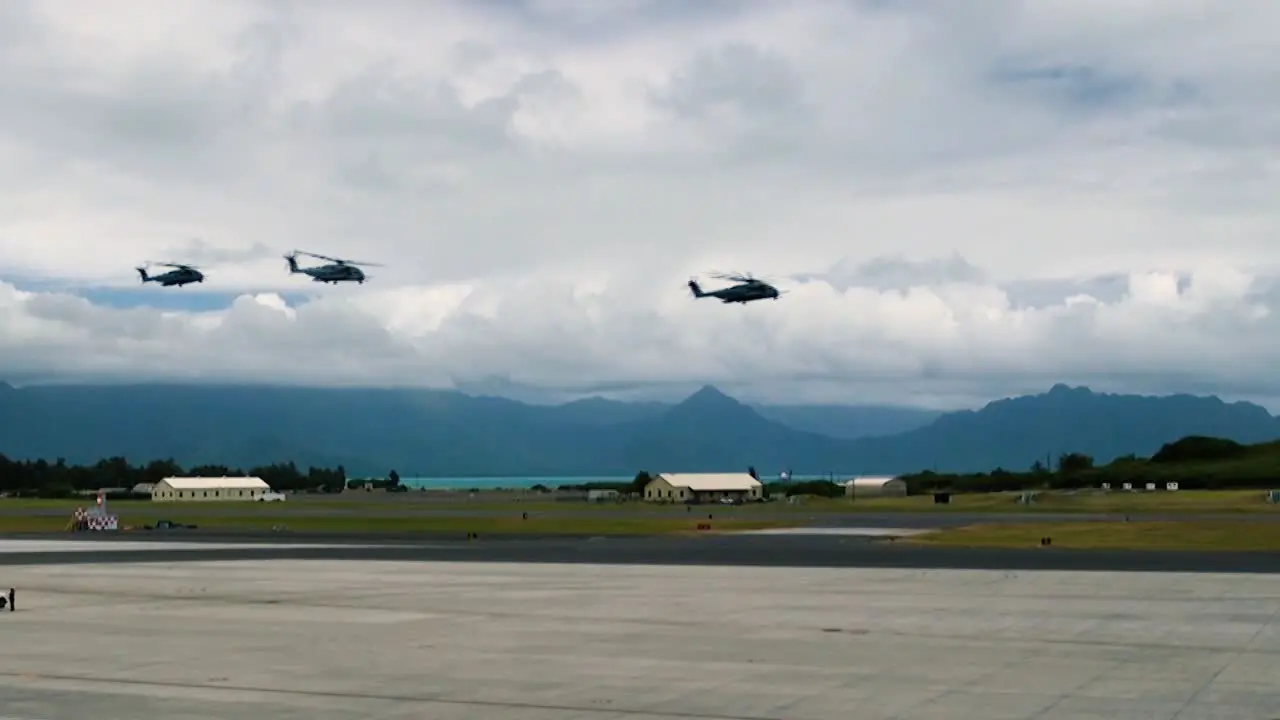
(102, 522)
(93, 521)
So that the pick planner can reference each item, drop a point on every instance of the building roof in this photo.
(216, 483)
(711, 482)
(869, 481)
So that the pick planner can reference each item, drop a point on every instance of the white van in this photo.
(271, 497)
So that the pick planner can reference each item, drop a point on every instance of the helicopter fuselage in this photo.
(743, 293)
(174, 278)
(332, 273)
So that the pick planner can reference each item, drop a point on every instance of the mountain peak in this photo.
(710, 396)
(710, 405)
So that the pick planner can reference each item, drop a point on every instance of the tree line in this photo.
(1194, 463)
(41, 478)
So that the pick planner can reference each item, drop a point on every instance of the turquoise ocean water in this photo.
(512, 483)
(491, 483)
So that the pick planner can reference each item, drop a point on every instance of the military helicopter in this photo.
(335, 272)
(180, 275)
(748, 289)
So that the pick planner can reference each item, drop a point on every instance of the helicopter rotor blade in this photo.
(176, 266)
(340, 261)
(317, 256)
(739, 277)
(734, 276)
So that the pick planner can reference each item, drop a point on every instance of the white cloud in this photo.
(540, 178)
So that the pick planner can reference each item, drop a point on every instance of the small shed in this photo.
(877, 486)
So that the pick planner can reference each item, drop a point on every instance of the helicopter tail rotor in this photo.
(142, 272)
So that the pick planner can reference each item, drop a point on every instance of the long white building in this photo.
(703, 487)
(209, 489)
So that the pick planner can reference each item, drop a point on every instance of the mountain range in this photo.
(451, 434)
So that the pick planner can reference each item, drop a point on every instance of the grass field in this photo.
(428, 525)
(393, 505)
(1172, 535)
(1185, 501)
(1188, 501)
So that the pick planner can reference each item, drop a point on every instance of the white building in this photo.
(209, 489)
(869, 487)
(703, 487)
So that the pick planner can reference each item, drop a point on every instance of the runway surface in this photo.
(332, 640)
(707, 550)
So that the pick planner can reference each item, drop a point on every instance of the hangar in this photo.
(209, 489)
(703, 488)
(869, 487)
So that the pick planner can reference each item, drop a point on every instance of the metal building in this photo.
(869, 487)
(209, 489)
(602, 495)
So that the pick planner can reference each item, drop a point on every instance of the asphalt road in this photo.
(747, 551)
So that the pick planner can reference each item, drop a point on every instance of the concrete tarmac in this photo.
(330, 639)
(707, 550)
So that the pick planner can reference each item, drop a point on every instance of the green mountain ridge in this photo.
(446, 433)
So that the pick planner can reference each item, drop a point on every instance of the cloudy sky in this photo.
(963, 200)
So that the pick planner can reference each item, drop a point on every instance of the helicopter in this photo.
(335, 272)
(748, 289)
(180, 275)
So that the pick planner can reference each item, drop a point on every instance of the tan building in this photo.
(869, 487)
(703, 488)
(209, 489)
